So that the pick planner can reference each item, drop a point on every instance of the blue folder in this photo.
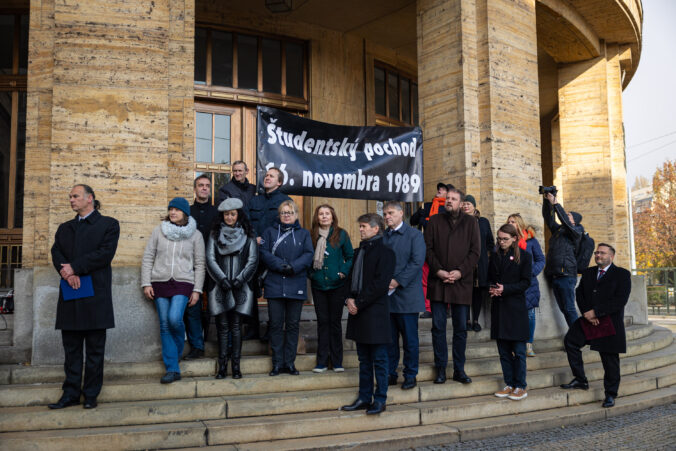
(86, 289)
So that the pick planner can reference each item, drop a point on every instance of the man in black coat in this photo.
(196, 317)
(369, 320)
(602, 293)
(238, 186)
(84, 246)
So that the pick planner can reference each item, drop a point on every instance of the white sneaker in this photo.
(518, 394)
(505, 392)
(338, 369)
(319, 369)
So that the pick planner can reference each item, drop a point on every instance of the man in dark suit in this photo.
(602, 293)
(369, 320)
(84, 246)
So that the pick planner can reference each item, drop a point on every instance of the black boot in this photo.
(236, 350)
(236, 373)
(222, 368)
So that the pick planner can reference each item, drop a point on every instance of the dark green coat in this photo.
(336, 259)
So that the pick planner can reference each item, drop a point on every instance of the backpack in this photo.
(583, 252)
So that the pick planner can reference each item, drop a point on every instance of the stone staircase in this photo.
(300, 412)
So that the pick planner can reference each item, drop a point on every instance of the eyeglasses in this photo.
(287, 213)
(503, 239)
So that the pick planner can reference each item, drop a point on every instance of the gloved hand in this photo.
(225, 284)
(287, 269)
(237, 283)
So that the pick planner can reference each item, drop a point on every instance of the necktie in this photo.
(601, 273)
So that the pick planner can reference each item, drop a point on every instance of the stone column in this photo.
(592, 148)
(479, 101)
(110, 104)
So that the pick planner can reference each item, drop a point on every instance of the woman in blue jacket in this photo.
(286, 250)
(530, 244)
(331, 265)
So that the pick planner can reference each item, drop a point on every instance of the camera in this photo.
(547, 189)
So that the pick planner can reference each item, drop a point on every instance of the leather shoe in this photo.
(392, 379)
(292, 370)
(357, 405)
(460, 376)
(608, 402)
(441, 376)
(194, 354)
(64, 402)
(90, 403)
(409, 383)
(575, 384)
(376, 408)
(275, 371)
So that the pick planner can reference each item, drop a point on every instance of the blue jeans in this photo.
(531, 324)
(193, 325)
(172, 331)
(406, 325)
(459, 314)
(513, 362)
(372, 360)
(564, 292)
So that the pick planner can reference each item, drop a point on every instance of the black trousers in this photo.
(478, 296)
(573, 342)
(284, 329)
(94, 342)
(329, 309)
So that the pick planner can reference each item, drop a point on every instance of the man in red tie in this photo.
(601, 296)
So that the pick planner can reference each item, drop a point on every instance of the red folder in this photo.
(605, 328)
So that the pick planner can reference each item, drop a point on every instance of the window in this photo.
(13, 69)
(396, 97)
(217, 140)
(247, 68)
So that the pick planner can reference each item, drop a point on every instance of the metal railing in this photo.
(660, 288)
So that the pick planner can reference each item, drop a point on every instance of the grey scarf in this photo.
(175, 232)
(230, 239)
(318, 260)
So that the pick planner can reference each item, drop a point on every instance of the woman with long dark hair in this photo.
(330, 266)
(232, 259)
(528, 243)
(509, 272)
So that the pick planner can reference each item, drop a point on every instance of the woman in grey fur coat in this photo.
(232, 258)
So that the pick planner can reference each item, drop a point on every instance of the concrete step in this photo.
(174, 410)
(126, 424)
(640, 340)
(464, 431)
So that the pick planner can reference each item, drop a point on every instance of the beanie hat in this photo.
(577, 217)
(469, 198)
(181, 204)
(232, 203)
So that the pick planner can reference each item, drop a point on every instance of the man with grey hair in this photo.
(405, 292)
(369, 321)
(238, 186)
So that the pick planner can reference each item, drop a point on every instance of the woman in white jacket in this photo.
(172, 274)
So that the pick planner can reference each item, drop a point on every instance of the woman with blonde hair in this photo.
(286, 249)
(528, 243)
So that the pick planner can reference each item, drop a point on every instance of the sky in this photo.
(649, 102)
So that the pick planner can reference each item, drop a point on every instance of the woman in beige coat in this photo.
(172, 274)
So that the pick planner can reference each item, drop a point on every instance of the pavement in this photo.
(651, 429)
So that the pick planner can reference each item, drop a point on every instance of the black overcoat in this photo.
(509, 314)
(606, 296)
(371, 324)
(89, 247)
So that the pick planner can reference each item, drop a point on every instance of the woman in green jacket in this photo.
(331, 265)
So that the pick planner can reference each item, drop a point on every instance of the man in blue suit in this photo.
(406, 294)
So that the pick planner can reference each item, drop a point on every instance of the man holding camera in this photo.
(561, 264)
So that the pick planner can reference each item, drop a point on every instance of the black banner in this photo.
(318, 159)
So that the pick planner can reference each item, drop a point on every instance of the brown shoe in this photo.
(505, 392)
(518, 394)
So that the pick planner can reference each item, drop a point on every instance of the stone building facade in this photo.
(136, 97)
